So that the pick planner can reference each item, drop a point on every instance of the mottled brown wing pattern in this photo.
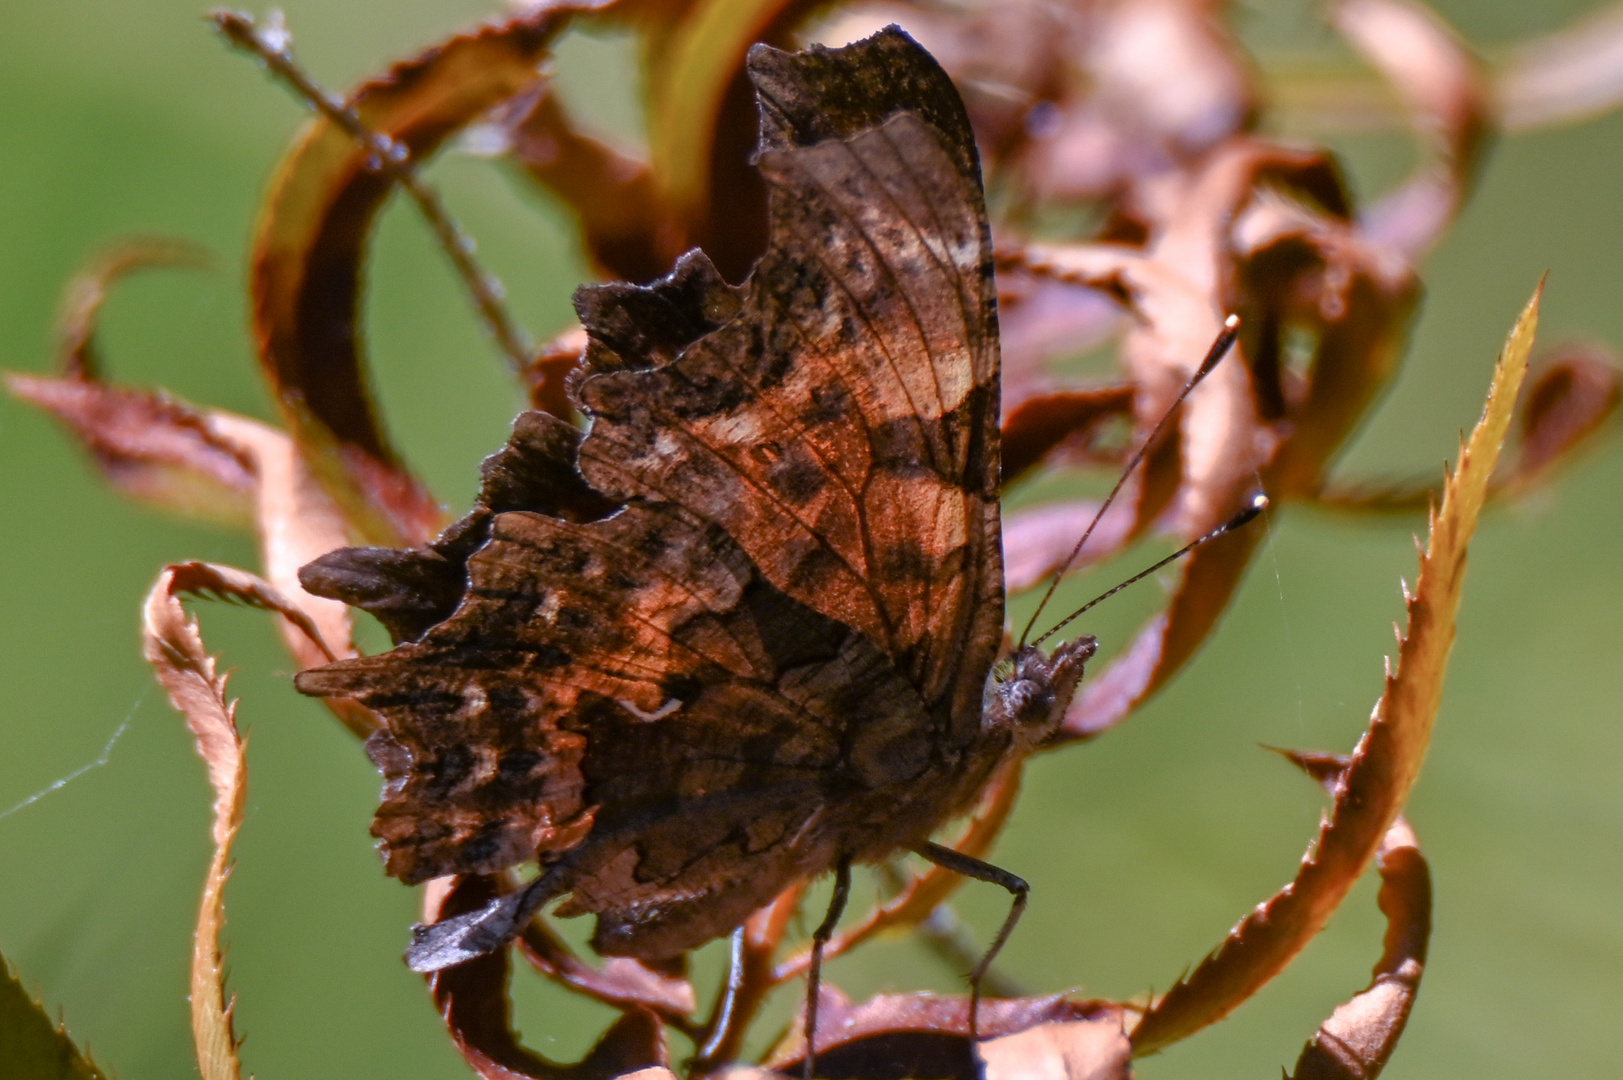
(843, 426)
(741, 629)
(640, 660)
(410, 590)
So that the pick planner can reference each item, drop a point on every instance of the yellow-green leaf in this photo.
(1372, 790)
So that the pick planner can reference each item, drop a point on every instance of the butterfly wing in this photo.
(744, 627)
(842, 427)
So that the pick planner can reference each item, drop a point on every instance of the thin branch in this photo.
(393, 159)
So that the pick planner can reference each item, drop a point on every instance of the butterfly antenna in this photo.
(1257, 505)
(1220, 348)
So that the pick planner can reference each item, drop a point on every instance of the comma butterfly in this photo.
(742, 630)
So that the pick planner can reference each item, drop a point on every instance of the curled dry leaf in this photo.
(1572, 392)
(1573, 74)
(1445, 89)
(1038, 542)
(174, 648)
(1359, 1037)
(1570, 395)
(1155, 84)
(148, 445)
(1357, 1040)
(1076, 102)
(618, 210)
(548, 373)
(306, 271)
(472, 999)
(1074, 1050)
(214, 464)
(34, 1046)
(1265, 231)
(1372, 790)
(897, 1035)
(1069, 417)
(84, 295)
(702, 123)
(620, 982)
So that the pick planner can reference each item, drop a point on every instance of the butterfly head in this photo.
(1027, 694)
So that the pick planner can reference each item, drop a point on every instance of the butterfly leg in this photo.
(814, 975)
(971, 867)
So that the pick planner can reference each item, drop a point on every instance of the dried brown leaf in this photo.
(1357, 1040)
(150, 446)
(1262, 230)
(306, 269)
(621, 982)
(161, 450)
(1040, 422)
(472, 999)
(1039, 540)
(174, 647)
(84, 295)
(1445, 89)
(548, 374)
(1211, 573)
(1041, 322)
(904, 1035)
(34, 1046)
(297, 521)
(697, 64)
(1571, 394)
(1372, 791)
(1570, 75)
(1075, 1050)
(621, 217)
(1123, 93)
(214, 464)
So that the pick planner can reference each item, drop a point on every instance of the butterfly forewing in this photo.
(844, 426)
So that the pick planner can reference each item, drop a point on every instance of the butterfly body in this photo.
(743, 628)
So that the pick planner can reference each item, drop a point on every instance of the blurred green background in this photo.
(127, 116)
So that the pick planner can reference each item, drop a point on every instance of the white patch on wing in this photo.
(660, 713)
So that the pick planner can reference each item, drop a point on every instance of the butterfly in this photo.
(746, 627)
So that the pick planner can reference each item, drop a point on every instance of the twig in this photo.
(393, 159)
(749, 980)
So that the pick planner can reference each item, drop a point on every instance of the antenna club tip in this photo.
(1221, 347)
(1249, 513)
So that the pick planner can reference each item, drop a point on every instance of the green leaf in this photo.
(32, 1045)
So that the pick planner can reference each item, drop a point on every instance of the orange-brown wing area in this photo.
(608, 676)
(840, 420)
